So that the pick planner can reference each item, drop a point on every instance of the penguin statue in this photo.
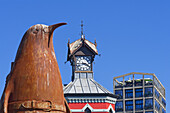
(34, 83)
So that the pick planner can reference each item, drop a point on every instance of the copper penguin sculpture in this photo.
(34, 83)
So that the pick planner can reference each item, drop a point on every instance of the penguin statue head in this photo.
(38, 35)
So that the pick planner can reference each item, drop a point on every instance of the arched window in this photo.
(110, 111)
(87, 110)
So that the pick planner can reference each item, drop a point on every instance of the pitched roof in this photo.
(84, 86)
(74, 46)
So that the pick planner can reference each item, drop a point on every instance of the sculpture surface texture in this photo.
(34, 83)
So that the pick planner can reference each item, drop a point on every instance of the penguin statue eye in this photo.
(35, 31)
(46, 30)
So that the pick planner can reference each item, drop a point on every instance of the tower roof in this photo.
(85, 86)
(76, 45)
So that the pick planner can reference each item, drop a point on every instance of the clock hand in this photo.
(86, 64)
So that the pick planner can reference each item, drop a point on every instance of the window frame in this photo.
(149, 101)
(139, 104)
(129, 93)
(118, 108)
(149, 91)
(129, 105)
(139, 92)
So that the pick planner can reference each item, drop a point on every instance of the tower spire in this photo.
(82, 34)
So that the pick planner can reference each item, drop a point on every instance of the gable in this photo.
(84, 51)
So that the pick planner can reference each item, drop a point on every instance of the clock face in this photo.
(83, 63)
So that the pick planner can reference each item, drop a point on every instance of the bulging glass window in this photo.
(163, 102)
(148, 111)
(119, 106)
(139, 104)
(139, 92)
(157, 94)
(157, 106)
(119, 93)
(149, 103)
(129, 93)
(148, 91)
(129, 105)
(163, 111)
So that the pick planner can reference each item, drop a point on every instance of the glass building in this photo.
(139, 93)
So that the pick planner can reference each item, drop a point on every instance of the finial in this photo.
(95, 43)
(82, 35)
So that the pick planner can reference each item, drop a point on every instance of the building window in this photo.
(138, 82)
(157, 106)
(149, 103)
(163, 111)
(139, 92)
(129, 83)
(87, 110)
(119, 85)
(148, 91)
(119, 106)
(139, 104)
(164, 102)
(129, 93)
(129, 105)
(148, 82)
(120, 93)
(157, 94)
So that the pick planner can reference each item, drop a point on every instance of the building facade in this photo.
(83, 93)
(139, 93)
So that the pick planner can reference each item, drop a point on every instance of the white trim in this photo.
(110, 107)
(105, 99)
(87, 106)
(93, 110)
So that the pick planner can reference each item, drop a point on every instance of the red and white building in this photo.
(83, 93)
(91, 103)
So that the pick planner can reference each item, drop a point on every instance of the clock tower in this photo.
(83, 93)
(81, 54)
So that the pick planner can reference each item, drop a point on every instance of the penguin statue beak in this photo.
(52, 28)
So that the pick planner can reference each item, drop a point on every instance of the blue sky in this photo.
(132, 35)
